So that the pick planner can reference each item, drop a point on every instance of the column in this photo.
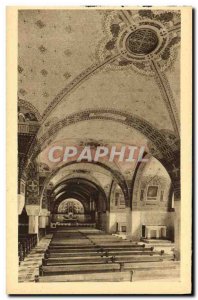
(128, 221)
(177, 228)
(33, 225)
(96, 218)
(48, 219)
(42, 221)
(107, 225)
(134, 225)
(21, 196)
(33, 214)
(43, 218)
(111, 221)
(21, 203)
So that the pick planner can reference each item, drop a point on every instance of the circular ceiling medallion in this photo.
(142, 41)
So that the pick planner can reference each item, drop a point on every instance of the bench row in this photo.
(110, 259)
(25, 243)
(116, 276)
(77, 269)
(96, 256)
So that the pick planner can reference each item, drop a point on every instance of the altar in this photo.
(154, 231)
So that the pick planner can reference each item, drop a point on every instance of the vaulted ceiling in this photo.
(61, 71)
(55, 46)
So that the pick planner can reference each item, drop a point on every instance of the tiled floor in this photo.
(30, 266)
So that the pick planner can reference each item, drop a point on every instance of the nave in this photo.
(89, 254)
(99, 155)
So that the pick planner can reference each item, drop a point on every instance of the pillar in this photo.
(103, 221)
(111, 222)
(177, 228)
(43, 218)
(96, 218)
(21, 196)
(47, 220)
(33, 225)
(128, 221)
(136, 226)
(42, 221)
(107, 223)
(33, 214)
(21, 203)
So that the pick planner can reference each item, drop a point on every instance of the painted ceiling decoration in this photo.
(118, 116)
(160, 35)
(29, 107)
(124, 69)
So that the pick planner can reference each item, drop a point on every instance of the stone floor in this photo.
(30, 266)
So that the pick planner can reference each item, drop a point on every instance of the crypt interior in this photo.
(94, 78)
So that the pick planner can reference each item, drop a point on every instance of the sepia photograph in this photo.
(99, 176)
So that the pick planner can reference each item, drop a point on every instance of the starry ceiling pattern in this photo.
(48, 56)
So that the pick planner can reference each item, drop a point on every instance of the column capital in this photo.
(44, 212)
(32, 210)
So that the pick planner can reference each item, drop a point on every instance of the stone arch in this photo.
(29, 106)
(154, 135)
(77, 179)
(115, 174)
(138, 178)
(79, 175)
(77, 193)
(76, 201)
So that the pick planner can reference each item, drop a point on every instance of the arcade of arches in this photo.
(81, 85)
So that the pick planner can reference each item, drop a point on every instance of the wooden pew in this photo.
(103, 277)
(143, 258)
(95, 248)
(31, 240)
(153, 274)
(56, 270)
(72, 250)
(67, 269)
(75, 255)
(74, 260)
(21, 254)
(137, 275)
(112, 259)
(25, 246)
(76, 252)
(71, 243)
(25, 243)
(150, 265)
(114, 246)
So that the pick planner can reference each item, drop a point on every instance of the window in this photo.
(152, 192)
